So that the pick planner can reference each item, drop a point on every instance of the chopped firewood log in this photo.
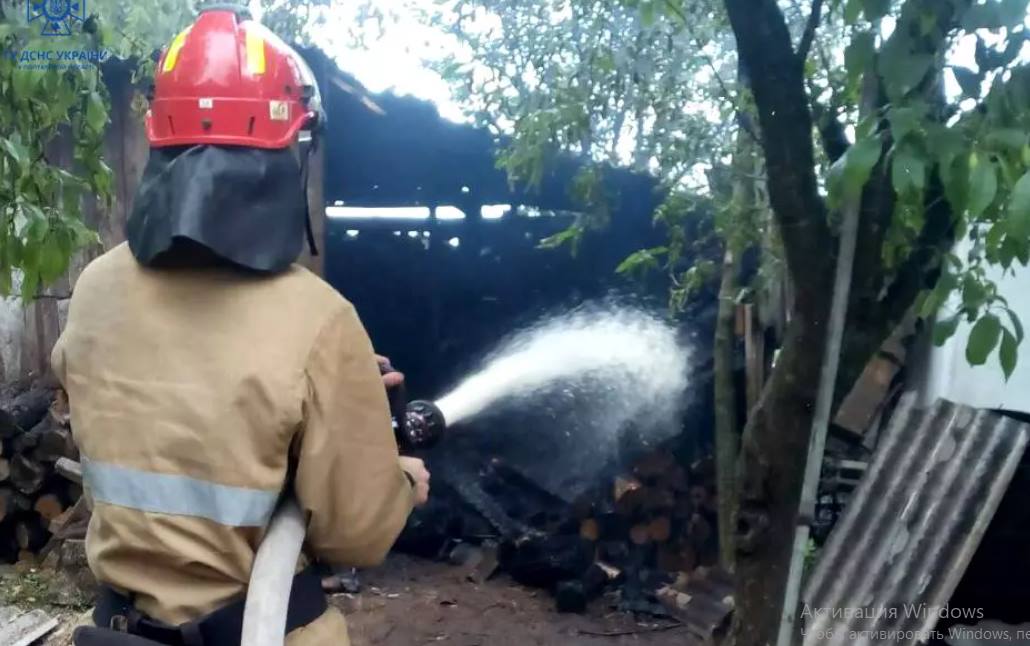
(623, 486)
(27, 475)
(55, 443)
(589, 530)
(683, 508)
(653, 466)
(612, 526)
(639, 535)
(676, 480)
(24, 411)
(542, 561)
(673, 558)
(70, 469)
(487, 565)
(615, 551)
(632, 501)
(656, 499)
(660, 529)
(12, 502)
(60, 411)
(585, 506)
(49, 506)
(574, 595)
(674, 600)
(30, 534)
(681, 582)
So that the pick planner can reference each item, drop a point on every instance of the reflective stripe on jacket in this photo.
(190, 390)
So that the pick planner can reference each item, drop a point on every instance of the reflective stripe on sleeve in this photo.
(178, 495)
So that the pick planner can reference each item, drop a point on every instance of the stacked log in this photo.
(34, 434)
(642, 531)
(660, 515)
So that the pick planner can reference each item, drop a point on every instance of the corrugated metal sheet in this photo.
(904, 541)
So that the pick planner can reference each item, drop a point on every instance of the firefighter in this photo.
(208, 374)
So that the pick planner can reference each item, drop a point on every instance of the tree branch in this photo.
(729, 96)
(809, 34)
(778, 85)
(831, 132)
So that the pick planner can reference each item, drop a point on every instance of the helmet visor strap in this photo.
(306, 153)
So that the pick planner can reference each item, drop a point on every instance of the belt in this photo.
(222, 627)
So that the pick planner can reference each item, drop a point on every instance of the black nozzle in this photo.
(423, 426)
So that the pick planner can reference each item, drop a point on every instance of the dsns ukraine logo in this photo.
(56, 16)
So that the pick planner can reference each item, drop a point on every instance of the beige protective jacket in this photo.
(192, 392)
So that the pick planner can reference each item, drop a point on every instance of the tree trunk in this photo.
(776, 437)
(727, 428)
(771, 469)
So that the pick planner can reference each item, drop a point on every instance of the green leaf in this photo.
(994, 236)
(983, 184)
(955, 176)
(24, 83)
(572, 235)
(905, 120)
(944, 330)
(1017, 222)
(1017, 325)
(973, 293)
(1008, 353)
(18, 152)
(859, 54)
(908, 171)
(944, 143)
(968, 80)
(642, 261)
(52, 259)
(849, 173)
(96, 112)
(902, 70)
(983, 338)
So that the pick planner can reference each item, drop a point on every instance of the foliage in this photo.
(646, 85)
(57, 110)
(652, 84)
(41, 222)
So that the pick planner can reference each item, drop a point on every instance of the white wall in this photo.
(943, 372)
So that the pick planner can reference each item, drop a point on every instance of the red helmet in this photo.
(227, 80)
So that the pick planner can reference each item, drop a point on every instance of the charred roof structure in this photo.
(435, 291)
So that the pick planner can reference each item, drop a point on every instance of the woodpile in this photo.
(650, 526)
(35, 434)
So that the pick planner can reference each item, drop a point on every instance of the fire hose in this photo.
(417, 426)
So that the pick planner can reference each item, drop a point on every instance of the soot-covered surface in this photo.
(409, 602)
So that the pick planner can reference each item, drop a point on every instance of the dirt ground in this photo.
(412, 602)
